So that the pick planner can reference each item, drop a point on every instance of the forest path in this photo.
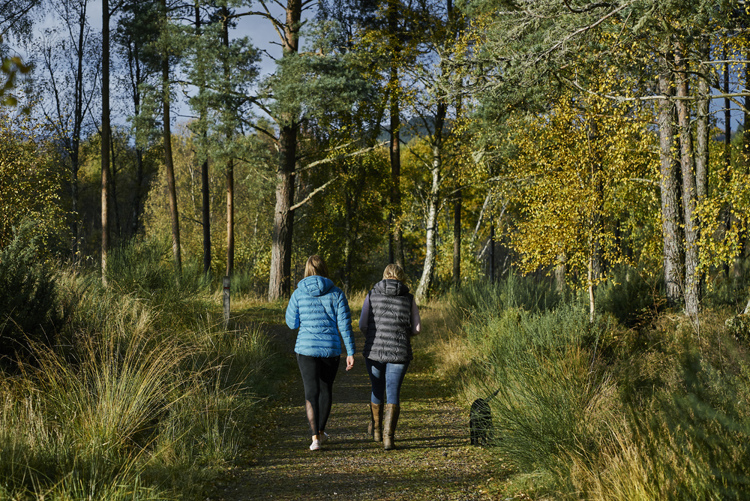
(432, 460)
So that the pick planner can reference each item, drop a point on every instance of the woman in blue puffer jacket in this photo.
(320, 310)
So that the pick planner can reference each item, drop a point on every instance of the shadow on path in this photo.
(433, 459)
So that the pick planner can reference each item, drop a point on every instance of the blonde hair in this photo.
(316, 266)
(394, 272)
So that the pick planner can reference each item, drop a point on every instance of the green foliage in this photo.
(349, 219)
(29, 181)
(29, 310)
(308, 85)
(631, 296)
(253, 194)
(483, 300)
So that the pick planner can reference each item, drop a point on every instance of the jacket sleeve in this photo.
(292, 312)
(416, 322)
(344, 320)
(365, 316)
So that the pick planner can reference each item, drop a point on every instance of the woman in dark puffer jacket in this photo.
(389, 319)
(321, 312)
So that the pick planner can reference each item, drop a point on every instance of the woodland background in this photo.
(569, 179)
(566, 137)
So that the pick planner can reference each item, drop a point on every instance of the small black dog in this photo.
(480, 420)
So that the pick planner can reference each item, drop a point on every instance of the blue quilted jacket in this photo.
(320, 310)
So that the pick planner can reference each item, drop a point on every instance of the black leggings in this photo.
(317, 376)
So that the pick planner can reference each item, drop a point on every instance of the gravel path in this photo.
(433, 459)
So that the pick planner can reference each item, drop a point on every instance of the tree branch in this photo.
(579, 31)
(313, 193)
(587, 9)
(339, 157)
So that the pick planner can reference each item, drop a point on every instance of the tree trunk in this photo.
(230, 163)
(205, 187)
(687, 160)
(279, 283)
(137, 189)
(135, 81)
(168, 162)
(106, 138)
(457, 240)
(492, 250)
(670, 202)
(560, 271)
(591, 280)
(702, 146)
(230, 218)
(433, 203)
(396, 250)
(281, 245)
(431, 223)
(595, 251)
(77, 124)
(113, 185)
(348, 241)
(206, 218)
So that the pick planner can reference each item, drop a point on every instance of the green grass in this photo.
(146, 395)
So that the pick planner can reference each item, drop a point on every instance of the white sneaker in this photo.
(323, 438)
(315, 445)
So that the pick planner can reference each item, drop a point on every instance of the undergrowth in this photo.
(649, 405)
(144, 394)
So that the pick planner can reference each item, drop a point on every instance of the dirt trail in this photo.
(433, 459)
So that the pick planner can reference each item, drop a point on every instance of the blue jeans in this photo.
(386, 380)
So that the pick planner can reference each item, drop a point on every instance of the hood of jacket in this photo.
(391, 287)
(315, 285)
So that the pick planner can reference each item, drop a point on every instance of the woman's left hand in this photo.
(349, 362)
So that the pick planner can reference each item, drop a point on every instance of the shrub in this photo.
(631, 296)
(28, 299)
(553, 396)
(145, 268)
(130, 405)
(486, 299)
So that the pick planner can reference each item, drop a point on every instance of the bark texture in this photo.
(279, 283)
(670, 202)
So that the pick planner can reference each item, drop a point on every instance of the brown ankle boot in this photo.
(376, 422)
(390, 421)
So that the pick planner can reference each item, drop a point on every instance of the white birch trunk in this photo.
(432, 210)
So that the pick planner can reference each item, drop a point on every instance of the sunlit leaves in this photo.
(29, 183)
(584, 181)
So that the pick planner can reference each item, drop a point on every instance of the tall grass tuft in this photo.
(485, 299)
(145, 269)
(552, 395)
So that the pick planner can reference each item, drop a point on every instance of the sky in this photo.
(258, 29)
(263, 36)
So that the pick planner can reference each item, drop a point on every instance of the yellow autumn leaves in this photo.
(584, 181)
